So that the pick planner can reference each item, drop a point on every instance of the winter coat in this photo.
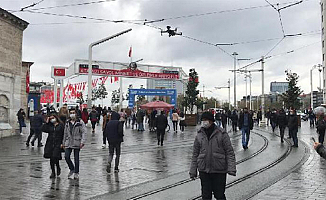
(53, 143)
(140, 116)
(114, 130)
(224, 118)
(161, 122)
(234, 118)
(85, 117)
(93, 116)
(293, 123)
(214, 154)
(218, 116)
(21, 115)
(321, 150)
(74, 134)
(321, 126)
(250, 121)
(282, 120)
(37, 121)
(273, 117)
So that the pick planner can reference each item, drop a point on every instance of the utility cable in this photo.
(32, 5)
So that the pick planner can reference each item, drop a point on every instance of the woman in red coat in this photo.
(85, 116)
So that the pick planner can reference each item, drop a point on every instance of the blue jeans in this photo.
(245, 136)
(294, 135)
(71, 166)
(141, 126)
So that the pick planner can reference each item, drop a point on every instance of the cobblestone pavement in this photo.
(307, 182)
(25, 173)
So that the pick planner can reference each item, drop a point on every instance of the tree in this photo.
(291, 96)
(101, 92)
(116, 97)
(191, 98)
(141, 98)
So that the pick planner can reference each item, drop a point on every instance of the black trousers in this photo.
(160, 135)
(212, 183)
(37, 135)
(115, 146)
(282, 128)
(104, 137)
(93, 124)
(175, 125)
(234, 126)
(31, 133)
(321, 137)
(54, 162)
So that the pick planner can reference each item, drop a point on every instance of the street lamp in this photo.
(90, 67)
(229, 87)
(319, 66)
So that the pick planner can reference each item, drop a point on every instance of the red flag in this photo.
(116, 79)
(130, 51)
(27, 81)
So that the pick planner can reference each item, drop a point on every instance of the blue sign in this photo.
(152, 92)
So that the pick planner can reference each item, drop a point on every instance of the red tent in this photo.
(157, 105)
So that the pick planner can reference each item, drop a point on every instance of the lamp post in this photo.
(319, 66)
(229, 87)
(235, 78)
(90, 67)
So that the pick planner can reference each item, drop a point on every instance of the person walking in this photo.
(175, 118)
(245, 125)
(312, 118)
(218, 118)
(114, 134)
(36, 127)
(85, 116)
(273, 119)
(78, 112)
(161, 124)
(52, 150)
(321, 126)
(214, 158)
(99, 113)
(106, 119)
(293, 127)
(73, 140)
(21, 120)
(259, 116)
(63, 113)
(93, 116)
(182, 122)
(234, 119)
(268, 116)
(140, 120)
(224, 119)
(282, 123)
(133, 120)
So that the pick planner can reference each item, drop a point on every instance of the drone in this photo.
(171, 32)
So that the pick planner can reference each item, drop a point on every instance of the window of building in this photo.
(322, 31)
(323, 57)
(323, 43)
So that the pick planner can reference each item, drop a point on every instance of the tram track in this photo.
(179, 183)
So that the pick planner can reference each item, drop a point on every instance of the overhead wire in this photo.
(32, 5)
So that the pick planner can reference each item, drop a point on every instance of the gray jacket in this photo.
(214, 155)
(74, 134)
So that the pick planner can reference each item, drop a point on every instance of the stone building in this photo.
(13, 71)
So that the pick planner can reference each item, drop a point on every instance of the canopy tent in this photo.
(157, 105)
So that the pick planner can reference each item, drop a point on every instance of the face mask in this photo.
(54, 120)
(73, 116)
(205, 124)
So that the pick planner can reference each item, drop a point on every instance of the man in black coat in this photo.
(282, 123)
(321, 126)
(234, 119)
(114, 134)
(293, 127)
(36, 124)
(273, 119)
(245, 125)
(161, 124)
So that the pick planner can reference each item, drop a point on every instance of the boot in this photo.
(158, 142)
(58, 170)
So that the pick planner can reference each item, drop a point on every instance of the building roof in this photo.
(7, 16)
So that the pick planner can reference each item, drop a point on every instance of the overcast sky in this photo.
(56, 40)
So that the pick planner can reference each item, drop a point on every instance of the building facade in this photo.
(323, 38)
(279, 87)
(13, 72)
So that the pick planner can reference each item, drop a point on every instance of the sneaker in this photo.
(108, 168)
(76, 176)
(116, 170)
(52, 175)
(41, 145)
(103, 146)
(21, 133)
(70, 175)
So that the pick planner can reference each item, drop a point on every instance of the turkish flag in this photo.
(59, 72)
(130, 51)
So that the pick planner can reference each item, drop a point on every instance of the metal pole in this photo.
(61, 93)
(262, 123)
(246, 90)
(204, 97)
(90, 86)
(250, 78)
(120, 98)
(90, 68)
(311, 89)
(55, 89)
(229, 86)
(235, 79)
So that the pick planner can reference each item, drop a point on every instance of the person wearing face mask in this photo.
(293, 127)
(245, 125)
(214, 158)
(73, 140)
(52, 150)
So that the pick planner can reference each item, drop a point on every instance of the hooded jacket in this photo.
(214, 154)
(74, 134)
(114, 129)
